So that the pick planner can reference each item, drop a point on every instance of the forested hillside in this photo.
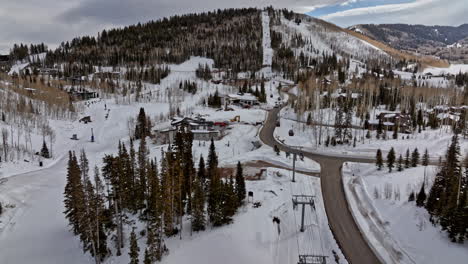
(231, 37)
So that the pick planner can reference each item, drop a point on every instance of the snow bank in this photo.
(371, 224)
(380, 199)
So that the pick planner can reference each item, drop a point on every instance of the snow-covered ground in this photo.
(425, 80)
(453, 69)
(266, 42)
(32, 196)
(324, 38)
(398, 230)
(436, 141)
(254, 238)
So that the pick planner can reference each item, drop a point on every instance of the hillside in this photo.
(445, 42)
(231, 37)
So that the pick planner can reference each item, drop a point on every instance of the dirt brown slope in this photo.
(426, 61)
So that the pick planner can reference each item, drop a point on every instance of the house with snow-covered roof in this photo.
(240, 99)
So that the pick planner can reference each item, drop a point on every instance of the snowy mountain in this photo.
(429, 40)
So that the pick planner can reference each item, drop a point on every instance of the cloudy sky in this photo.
(53, 21)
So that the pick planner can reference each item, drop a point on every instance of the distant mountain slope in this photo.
(428, 40)
(327, 37)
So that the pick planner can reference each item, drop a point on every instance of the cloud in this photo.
(52, 21)
(131, 11)
(428, 12)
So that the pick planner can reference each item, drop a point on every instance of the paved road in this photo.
(343, 226)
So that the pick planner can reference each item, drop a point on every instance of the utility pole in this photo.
(303, 200)
(294, 167)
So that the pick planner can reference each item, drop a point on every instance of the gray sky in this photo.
(53, 21)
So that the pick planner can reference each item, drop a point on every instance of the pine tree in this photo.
(391, 159)
(142, 128)
(447, 197)
(407, 159)
(415, 158)
(74, 195)
(339, 122)
(400, 163)
(421, 198)
(262, 93)
(425, 158)
(198, 206)
(141, 189)
(215, 190)
(101, 214)
(411, 197)
(201, 174)
(240, 184)
(147, 259)
(84, 166)
(229, 201)
(134, 249)
(167, 177)
(380, 127)
(379, 160)
(44, 150)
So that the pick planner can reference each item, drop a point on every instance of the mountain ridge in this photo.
(445, 42)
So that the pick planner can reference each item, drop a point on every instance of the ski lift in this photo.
(291, 132)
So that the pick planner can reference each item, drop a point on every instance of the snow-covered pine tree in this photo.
(134, 249)
(229, 201)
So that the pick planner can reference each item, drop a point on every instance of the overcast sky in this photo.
(53, 21)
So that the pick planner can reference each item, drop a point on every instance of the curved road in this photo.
(341, 221)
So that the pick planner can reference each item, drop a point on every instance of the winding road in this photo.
(344, 228)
